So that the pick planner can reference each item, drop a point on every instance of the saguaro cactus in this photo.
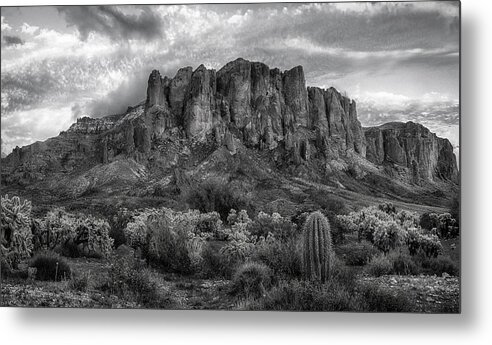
(317, 247)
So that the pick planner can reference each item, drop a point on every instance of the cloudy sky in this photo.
(400, 61)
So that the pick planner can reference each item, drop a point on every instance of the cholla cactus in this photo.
(15, 231)
(317, 247)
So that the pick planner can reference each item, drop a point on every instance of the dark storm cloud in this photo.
(385, 27)
(113, 22)
(128, 93)
(12, 40)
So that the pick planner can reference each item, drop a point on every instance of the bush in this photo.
(118, 223)
(403, 264)
(344, 275)
(385, 228)
(448, 226)
(128, 279)
(15, 231)
(214, 262)
(284, 257)
(377, 299)
(440, 265)
(387, 207)
(418, 242)
(429, 221)
(168, 238)
(378, 266)
(357, 253)
(387, 236)
(76, 234)
(295, 295)
(239, 246)
(81, 283)
(145, 288)
(280, 227)
(338, 231)
(329, 202)
(50, 266)
(215, 196)
(168, 245)
(252, 279)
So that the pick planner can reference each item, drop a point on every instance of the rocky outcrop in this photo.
(266, 106)
(88, 125)
(411, 150)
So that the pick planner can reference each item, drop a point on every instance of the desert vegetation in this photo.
(376, 258)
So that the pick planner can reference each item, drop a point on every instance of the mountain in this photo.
(245, 124)
(411, 151)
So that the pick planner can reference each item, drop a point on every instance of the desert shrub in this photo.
(329, 202)
(385, 228)
(239, 246)
(80, 282)
(145, 288)
(448, 227)
(419, 242)
(295, 295)
(50, 266)
(338, 231)
(378, 266)
(444, 225)
(429, 221)
(402, 264)
(284, 257)
(15, 231)
(214, 262)
(252, 279)
(118, 222)
(430, 246)
(387, 207)
(136, 229)
(168, 244)
(439, 265)
(280, 227)
(238, 217)
(208, 223)
(76, 234)
(129, 280)
(365, 222)
(356, 254)
(215, 196)
(388, 236)
(169, 238)
(377, 299)
(343, 274)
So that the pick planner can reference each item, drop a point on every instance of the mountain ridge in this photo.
(245, 107)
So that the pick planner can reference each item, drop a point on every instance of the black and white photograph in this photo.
(289, 157)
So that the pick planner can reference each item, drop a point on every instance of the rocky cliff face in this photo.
(265, 107)
(411, 150)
